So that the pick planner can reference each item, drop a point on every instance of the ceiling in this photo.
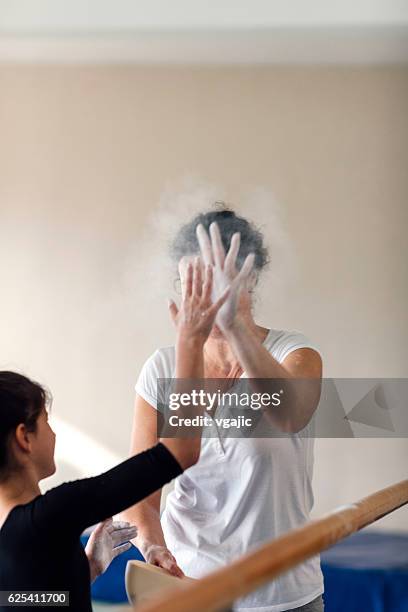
(205, 32)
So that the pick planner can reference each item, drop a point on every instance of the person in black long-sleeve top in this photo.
(40, 549)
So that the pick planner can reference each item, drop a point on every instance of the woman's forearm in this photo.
(189, 356)
(146, 515)
(189, 373)
(150, 539)
(299, 398)
(254, 358)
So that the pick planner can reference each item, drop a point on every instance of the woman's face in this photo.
(43, 446)
(244, 305)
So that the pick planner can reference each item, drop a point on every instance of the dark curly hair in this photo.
(186, 243)
(21, 401)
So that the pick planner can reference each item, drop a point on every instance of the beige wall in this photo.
(85, 154)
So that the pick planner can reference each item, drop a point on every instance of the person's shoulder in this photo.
(279, 335)
(281, 342)
(164, 354)
(161, 362)
(159, 365)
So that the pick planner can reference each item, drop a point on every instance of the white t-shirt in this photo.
(242, 493)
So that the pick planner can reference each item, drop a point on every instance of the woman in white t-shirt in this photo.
(243, 491)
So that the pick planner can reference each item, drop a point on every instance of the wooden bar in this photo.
(220, 589)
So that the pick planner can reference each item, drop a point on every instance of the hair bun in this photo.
(225, 214)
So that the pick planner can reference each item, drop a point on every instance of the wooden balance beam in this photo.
(221, 588)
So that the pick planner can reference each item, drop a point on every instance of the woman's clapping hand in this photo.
(198, 310)
(212, 285)
(225, 273)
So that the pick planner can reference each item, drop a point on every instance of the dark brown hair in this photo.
(185, 242)
(21, 401)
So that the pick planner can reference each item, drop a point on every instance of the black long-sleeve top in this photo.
(40, 548)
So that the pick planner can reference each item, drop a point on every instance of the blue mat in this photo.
(367, 572)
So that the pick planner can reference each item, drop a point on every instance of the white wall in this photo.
(85, 155)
